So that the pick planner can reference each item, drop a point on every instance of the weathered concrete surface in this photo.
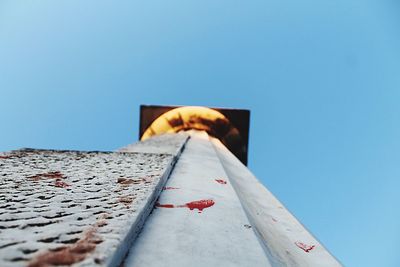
(198, 220)
(78, 208)
(286, 241)
(161, 144)
(87, 208)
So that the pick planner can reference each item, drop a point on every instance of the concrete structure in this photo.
(175, 199)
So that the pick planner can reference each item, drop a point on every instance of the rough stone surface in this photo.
(76, 208)
(87, 209)
(161, 144)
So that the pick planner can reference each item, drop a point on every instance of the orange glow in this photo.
(185, 118)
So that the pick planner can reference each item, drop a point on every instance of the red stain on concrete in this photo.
(127, 181)
(47, 175)
(220, 181)
(198, 204)
(169, 206)
(61, 184)
(52, 175)
(127, 201)
(306, 248)
(74, 253)
(70, 254)
(170, 188)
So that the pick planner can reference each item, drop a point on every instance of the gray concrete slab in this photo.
(77, 208)
(286, 240)
(199, 220)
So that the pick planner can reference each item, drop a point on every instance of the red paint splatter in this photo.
(198, 204)
(304, 247)
(60, 183)
(220, 181)
(170, 206)
(170, 188)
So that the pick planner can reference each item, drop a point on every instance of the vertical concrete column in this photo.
(198, 220)
(287, 242)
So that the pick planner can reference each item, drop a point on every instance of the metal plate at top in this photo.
(239, 119)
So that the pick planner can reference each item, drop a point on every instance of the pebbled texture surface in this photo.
(160, 144)
(76, 208)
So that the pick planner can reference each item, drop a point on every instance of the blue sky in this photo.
(321, 79)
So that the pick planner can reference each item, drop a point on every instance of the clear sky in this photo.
(321, 78)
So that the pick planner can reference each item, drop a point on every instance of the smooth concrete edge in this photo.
(222, 236)
(275, 252)
(122, 250)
